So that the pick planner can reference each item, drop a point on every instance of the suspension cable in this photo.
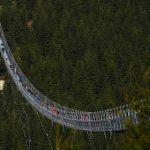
(46, 133)
(27, 121)
(18, 112)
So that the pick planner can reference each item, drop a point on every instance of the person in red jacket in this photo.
(53, 110)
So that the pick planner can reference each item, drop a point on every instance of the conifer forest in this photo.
(89, 55)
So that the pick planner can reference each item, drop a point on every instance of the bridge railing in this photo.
(105, 120)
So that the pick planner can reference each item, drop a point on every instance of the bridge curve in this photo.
(109, 120)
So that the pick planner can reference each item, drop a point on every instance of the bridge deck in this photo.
(100, 121)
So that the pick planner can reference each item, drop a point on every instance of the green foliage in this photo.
(138, 136)
(88, 55)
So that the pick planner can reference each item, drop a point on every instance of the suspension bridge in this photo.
(109, 120)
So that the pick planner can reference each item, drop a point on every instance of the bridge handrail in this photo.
(73, 117)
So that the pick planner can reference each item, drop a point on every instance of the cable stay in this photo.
(20, 121)
(109, 120)
(45, 132)
(27, 121)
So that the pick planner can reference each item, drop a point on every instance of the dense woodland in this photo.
(86, 54)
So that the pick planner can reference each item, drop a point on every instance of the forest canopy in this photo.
(87, 55)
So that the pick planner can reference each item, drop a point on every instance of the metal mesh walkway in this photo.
(99, 121)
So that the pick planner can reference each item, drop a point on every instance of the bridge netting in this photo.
(109, 120)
